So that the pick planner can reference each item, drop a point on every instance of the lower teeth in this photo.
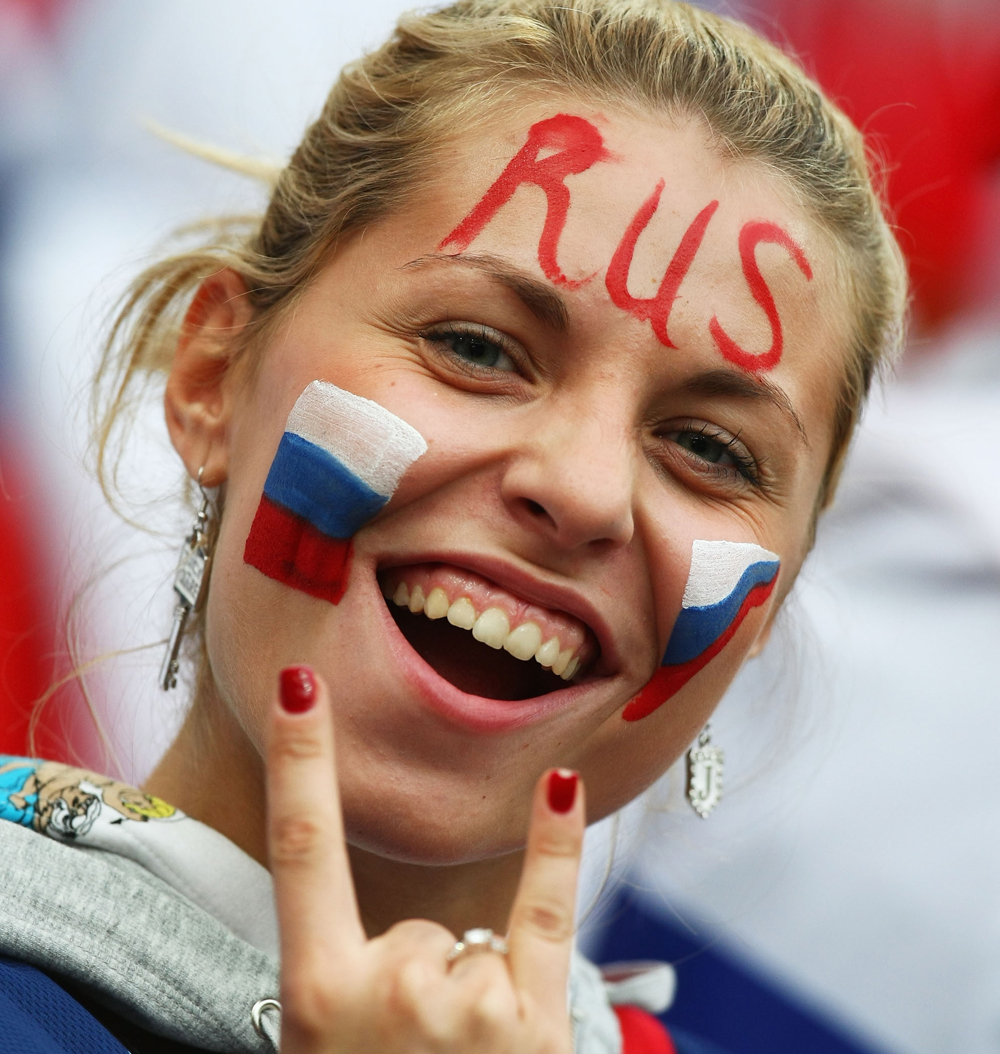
(491, 673)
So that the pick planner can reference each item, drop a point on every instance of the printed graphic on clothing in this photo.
(66, 802)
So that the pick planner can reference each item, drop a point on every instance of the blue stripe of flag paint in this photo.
(315, 485)
(697, 628)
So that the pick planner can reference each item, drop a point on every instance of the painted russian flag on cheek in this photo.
(726, 580)
(338, 463)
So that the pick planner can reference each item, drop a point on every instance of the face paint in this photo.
(752, 235)
(655, 309)
(726, 580)
(338, 463)
(577, 145)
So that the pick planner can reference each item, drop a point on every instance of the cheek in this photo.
(243, 650)
(726, 581)
(339, 461)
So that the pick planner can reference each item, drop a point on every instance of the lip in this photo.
(477, 713)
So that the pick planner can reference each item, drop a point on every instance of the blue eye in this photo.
(478, 347)
(718, 451)
(705, 447)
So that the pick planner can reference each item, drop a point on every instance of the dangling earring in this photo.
(704, 774)
(189, 585)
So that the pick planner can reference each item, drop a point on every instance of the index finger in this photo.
(313, 889)
(542, 918)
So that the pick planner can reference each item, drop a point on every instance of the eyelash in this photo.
(746, 465)
(440, 336)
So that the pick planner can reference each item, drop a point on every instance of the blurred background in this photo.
(846, 894)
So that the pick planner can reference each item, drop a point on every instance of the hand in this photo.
(341, 992)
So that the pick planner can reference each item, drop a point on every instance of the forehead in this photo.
(643, 219)
(607, 162)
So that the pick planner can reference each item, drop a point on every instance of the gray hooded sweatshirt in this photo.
(171, 925)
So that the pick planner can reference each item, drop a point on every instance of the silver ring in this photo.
(480, 939)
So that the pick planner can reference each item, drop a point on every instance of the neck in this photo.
(215, 774)
(458, 896)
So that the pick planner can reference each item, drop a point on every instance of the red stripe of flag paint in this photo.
(289, 549)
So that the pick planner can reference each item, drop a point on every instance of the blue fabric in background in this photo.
(39, 1017)
(685, 1043)
(722, 1006)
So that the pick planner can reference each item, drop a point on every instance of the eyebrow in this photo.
(548, 306)
(744, 386)
(537, 296)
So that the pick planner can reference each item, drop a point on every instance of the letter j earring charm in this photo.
(189, 586)
(704, 774)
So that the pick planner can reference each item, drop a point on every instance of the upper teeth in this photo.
(492, 627)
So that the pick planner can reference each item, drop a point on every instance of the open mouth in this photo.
(483, 639)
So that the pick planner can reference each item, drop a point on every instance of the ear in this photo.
(198, 401)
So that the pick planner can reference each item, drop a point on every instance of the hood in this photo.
(161, 917)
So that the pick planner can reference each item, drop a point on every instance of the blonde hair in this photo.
(389, 113)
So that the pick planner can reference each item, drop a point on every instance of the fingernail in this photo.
(562, 789)
(298, 689)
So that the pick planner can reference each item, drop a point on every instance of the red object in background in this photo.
(30, 660)
(642, 1033)
(922, 79)
(27, 605)
(43, 14)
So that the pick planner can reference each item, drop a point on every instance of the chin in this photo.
(435, 829)
(429, 845)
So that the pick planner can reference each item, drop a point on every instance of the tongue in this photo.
(470, 665)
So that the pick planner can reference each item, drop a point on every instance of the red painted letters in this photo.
(572, 145)
(751, 236)
(656, 309)
(577, 145)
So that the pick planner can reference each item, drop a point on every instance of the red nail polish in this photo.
(298, 689)
(562, 789)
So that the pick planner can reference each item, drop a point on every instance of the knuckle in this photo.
(294, 839)
(492, 1013)
(295, 745)
(307, 1007)
(559, 844)
(550, 919)
(484, 1009)
(407, 994)
(419, 933)
(406, 987)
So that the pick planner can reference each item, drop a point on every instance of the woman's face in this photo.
(586, 423)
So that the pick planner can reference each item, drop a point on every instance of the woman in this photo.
(517, 411)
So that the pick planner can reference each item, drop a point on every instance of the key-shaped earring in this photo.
(189, 585)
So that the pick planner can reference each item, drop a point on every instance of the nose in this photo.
(572, 479)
